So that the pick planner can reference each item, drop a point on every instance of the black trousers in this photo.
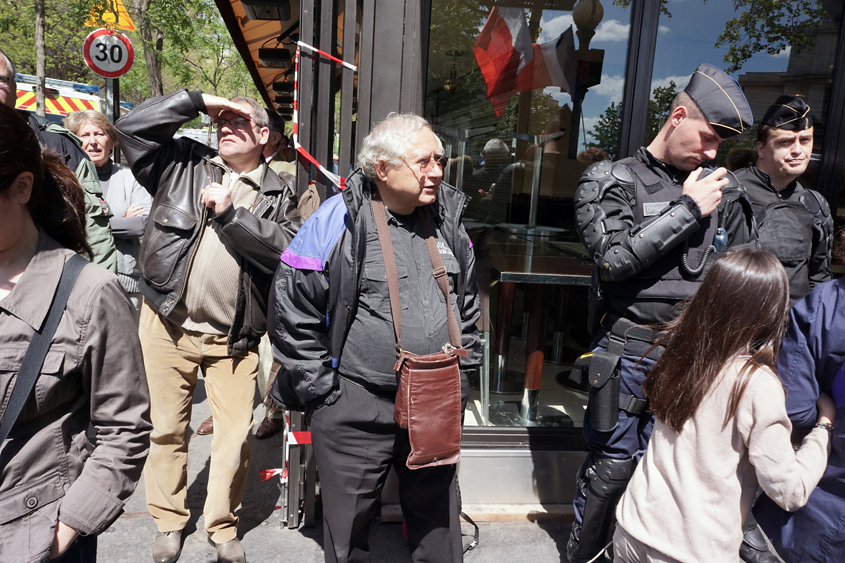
(355, 443)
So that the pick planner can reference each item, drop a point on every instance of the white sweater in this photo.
(692, 491)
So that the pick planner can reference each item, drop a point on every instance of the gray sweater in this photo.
(121, 190)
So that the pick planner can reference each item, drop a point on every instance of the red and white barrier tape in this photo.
(328, 56)
(335, 179)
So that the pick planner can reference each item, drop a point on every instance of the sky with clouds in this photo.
(683, 43)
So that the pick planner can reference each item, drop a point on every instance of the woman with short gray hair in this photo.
(128, 202)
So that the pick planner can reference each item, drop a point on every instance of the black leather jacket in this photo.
(174, 171)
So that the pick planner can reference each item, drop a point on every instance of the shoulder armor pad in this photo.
(815, 204)
(623, 174)
(597, 172)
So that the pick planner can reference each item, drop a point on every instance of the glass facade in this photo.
(525, 95)
(517, 91)
(792, 51)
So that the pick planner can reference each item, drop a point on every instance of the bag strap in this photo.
(439, 273)
(33, 359)
(389, 268)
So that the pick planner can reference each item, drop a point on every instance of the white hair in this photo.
(390, 140)
(10, 67)
(496, 148)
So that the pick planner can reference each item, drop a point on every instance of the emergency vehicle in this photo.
(60, 96)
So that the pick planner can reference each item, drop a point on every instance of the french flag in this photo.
(511, 63)
(553, 65)
(503, 50)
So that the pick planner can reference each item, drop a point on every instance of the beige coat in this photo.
(93, 373)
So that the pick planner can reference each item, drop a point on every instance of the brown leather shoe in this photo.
(269, 427)
(230, 551)
(167, 546)
(207, 427)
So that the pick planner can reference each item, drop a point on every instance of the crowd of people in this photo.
(715, 371)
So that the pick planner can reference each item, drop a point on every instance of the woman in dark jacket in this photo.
(57, 489)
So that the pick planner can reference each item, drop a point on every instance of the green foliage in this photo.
(197, 51)
(769, 26)
(658, 110)
(605, 133)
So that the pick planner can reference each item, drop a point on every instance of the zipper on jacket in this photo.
(203, 218)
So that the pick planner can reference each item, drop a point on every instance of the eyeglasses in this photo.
(7, 80)
(234, 123)
(426, 164)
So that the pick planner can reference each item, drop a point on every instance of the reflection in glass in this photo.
(790, 51)
(515, 89)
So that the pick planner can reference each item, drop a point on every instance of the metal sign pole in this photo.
(113, 107)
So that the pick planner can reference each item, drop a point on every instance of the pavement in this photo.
(130, 538)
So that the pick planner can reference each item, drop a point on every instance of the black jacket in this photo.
(315, 294)
(174, 171)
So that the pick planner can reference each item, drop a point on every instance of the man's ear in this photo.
(760, 149)
(275, 139)
(381, 167)
(263, 135)
(679, 114)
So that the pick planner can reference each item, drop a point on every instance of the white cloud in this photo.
(589, 124)
(784, 52)
(612, 31)
(610, 87)
(554, 27)
(663, 29)
(680, 81)
(558, 95)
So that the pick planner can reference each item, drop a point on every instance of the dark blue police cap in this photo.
(721, 100)
(790, 113)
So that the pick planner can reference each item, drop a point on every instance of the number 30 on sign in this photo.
(109, 53)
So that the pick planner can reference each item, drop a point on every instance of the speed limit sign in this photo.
(109, 53)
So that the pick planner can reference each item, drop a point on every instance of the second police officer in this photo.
(794, 223)
(652, 223)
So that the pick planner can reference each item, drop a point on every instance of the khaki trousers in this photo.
(173, 357)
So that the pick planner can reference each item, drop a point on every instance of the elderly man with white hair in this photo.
(332, 329)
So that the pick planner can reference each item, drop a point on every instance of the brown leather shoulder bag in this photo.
(428, 399)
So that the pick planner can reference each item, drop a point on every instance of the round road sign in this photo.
(109, 53)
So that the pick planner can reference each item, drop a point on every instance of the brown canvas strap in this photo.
(389, 268)
(440, 277)
(439, 272)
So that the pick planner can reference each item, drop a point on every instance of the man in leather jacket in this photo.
(794, 222)
(218, 224)
(331, 324)
(652, 224)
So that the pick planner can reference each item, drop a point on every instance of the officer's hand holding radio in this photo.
(704, 187)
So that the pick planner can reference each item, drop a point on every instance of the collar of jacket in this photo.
(449, 199)
(44, 272)
(270, 181)
(767, 181)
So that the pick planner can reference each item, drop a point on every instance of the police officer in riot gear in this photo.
(652, 224)
(794, 223)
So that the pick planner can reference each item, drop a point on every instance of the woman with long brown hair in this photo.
(58, 489)
(721, 424)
